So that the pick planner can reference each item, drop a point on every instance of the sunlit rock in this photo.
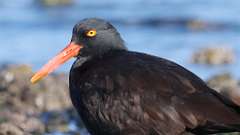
(10, 129)
(227, 86)
(50, 3)
(214, 56)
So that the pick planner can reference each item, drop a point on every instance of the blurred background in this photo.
(201, 35)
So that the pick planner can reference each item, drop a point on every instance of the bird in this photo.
(121, 92)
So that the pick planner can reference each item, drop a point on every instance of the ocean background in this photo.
(31, 33)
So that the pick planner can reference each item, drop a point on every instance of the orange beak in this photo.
(67, 53)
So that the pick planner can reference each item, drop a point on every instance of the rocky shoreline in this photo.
(27, 109)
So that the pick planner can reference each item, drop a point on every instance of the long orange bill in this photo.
(70, 51)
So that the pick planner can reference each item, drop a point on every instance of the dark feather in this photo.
(129, 93)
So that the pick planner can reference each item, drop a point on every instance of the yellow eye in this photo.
(91, 33)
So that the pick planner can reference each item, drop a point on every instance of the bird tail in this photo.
(227, 101)
(213, 129)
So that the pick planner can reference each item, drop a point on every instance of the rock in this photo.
(50, 3)
(10, 129)
(227, 86)
(197, 25)
(54, 95)
(28, 123)
(51, 94)
(214, 56)
(59, 120)
(25, 104)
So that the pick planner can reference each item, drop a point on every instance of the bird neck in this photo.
(98, 55)
(102, 51)
(108, 46)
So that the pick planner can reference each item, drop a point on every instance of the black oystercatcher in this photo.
(120, 92)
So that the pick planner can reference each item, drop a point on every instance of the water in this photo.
(30, 33)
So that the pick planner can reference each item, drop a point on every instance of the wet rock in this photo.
(10, 129)
(227, 86)
(214, 56)
(26, 122)
(25, 104)
(50, 3)
(59, 120)
(48, 95)
(54, 95)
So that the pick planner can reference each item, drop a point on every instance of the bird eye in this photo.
(91, 33)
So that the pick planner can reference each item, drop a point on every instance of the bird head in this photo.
(90, 38)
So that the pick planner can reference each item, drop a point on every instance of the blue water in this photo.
(31, 33)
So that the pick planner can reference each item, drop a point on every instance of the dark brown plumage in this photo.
(119, 92)
(129, 93)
